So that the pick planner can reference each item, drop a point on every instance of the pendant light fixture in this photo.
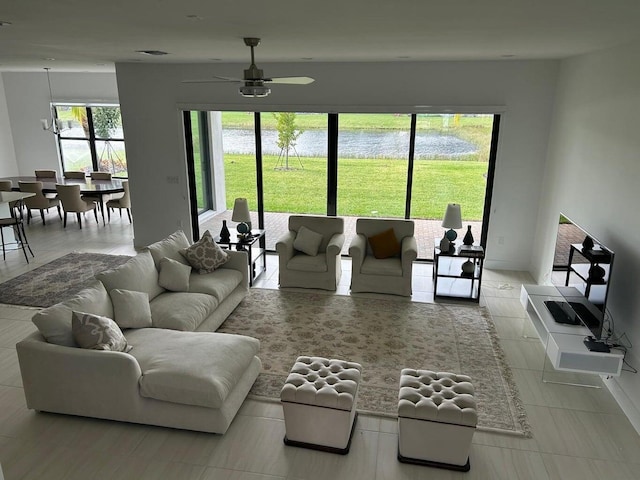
(53, 124)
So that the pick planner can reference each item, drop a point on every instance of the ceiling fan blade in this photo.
(215, 79)
(291, 80)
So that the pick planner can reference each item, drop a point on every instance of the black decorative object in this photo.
(596, 274)
(225, 236)
(468, 268)
(587, 243)
(468, 237)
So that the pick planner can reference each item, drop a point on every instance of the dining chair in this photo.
(121, 202)
(75, 175)
(46, 174)
(39, 201)
(72, 202)
(100, 176)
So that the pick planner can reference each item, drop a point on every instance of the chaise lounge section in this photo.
(174, 372)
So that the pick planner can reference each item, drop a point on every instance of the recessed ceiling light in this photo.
(403, 57)
(195, 17)
(509, 55)
(306, 58)
(49, 59)
(4, 24)
(152, 52)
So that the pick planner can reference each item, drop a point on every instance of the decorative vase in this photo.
(468, 237)
(445, 244)
(587, 243)
(225, 236)
(468, 268)
(596, 274)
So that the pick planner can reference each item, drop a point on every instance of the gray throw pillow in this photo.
(205, 255)
(98, 333)
(307, 241)
(131, 309)
(174, 275)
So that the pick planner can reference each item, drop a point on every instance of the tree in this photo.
(287, 136)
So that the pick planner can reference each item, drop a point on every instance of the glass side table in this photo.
(254, 245)
(449, 278)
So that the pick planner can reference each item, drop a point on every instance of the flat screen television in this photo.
(581, 272)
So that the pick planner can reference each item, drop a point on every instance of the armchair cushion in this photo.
(98, 333)
(307, 241)
(385, 244)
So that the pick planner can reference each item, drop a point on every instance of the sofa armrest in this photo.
(238, 261)
(357, 251)
(334, 247)
(75, 380)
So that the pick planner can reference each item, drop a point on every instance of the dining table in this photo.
(88, 186)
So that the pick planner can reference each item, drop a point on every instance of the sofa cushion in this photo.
(205, 255)
(138, 274)
(170, 248)
(98, 333)
(174, 276)
(54, 323)
(219, 283)
(130, 309)
(204, 377)
(305, 263)
(385, 244)
(181, 311)
(307, 241)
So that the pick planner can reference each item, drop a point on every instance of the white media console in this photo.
(564, 343)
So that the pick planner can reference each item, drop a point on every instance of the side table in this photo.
(256, 249)
(449, 281)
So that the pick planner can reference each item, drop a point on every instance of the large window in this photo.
(354, 165)
(94, 141)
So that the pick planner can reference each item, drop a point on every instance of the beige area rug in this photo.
(384, 336)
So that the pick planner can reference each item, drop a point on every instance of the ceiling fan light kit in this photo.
(255, 91)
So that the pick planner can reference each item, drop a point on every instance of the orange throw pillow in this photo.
(385, 244)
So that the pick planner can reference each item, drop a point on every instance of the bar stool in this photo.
(18, 228)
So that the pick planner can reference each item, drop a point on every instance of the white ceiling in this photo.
(91, 35)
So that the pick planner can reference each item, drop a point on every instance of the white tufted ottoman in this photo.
(436, 419)
(319, 403)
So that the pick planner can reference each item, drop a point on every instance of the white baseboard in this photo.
(628, 404)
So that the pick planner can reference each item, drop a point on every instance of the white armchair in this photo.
(309, 253)
(391, 274)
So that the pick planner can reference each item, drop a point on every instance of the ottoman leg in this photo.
(325, 448)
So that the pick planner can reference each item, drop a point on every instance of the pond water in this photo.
(353, 144)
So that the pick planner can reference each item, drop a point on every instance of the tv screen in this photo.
(581, 271)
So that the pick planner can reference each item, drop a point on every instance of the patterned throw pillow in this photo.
(98, 333)
(205, 255)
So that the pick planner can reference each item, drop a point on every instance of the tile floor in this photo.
(578, 433)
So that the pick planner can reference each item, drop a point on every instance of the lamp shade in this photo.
(452, 217)
(241, 211)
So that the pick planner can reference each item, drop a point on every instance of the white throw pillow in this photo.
(98, 333)
(205, 255)
(170, 248)
(307, 241)
(131, 309)
(174, 275)
(139, 274)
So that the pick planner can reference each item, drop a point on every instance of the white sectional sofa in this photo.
(179, 373)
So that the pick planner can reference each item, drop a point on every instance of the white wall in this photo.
(593, 176)
(8, 165)
(152, 95)
(27, 97)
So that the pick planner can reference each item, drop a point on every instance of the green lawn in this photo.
(364, 185)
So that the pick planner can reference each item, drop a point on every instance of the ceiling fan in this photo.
(254, 82)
